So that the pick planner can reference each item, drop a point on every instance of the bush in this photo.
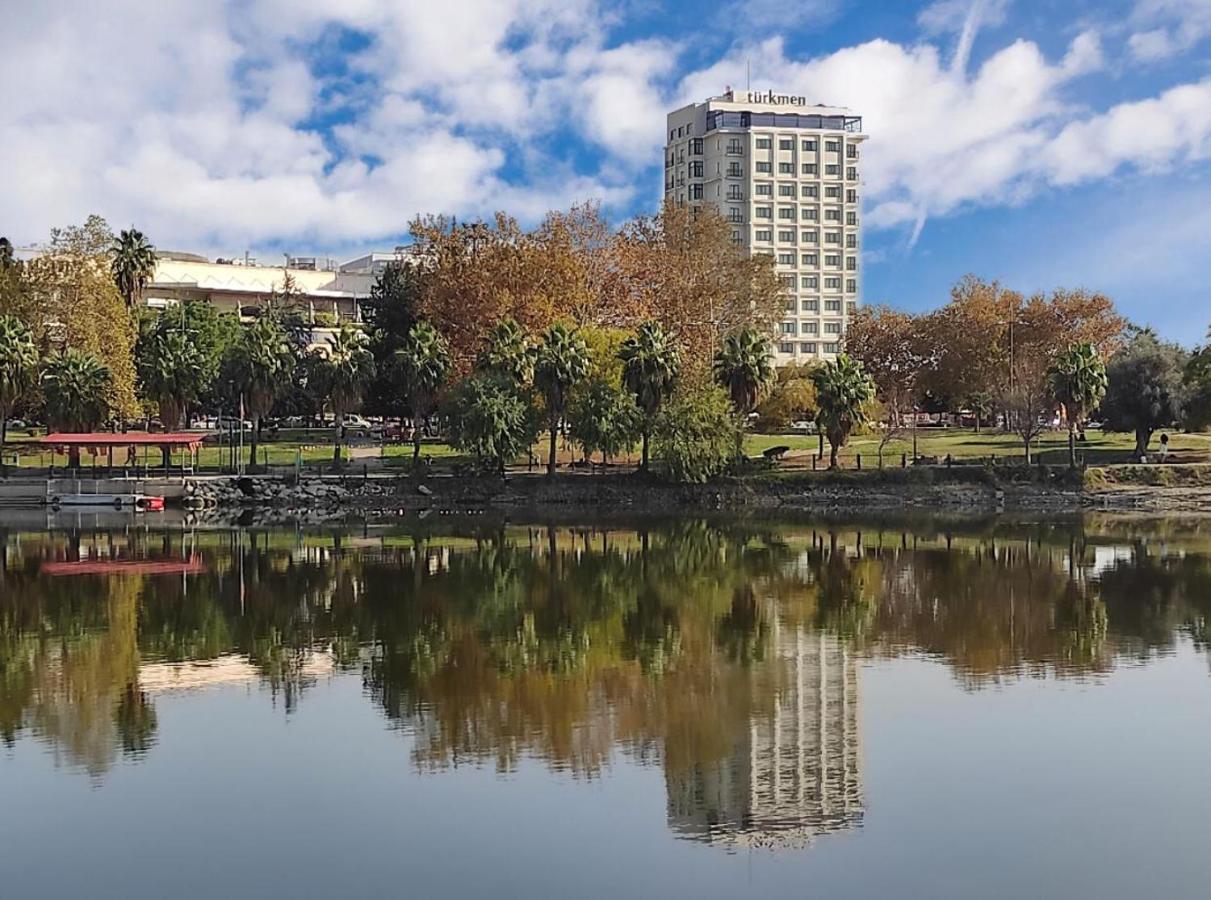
(603, 419)
(697, 435)
(792, 399)
(492, 419)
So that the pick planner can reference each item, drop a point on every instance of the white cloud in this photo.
(1168, 28)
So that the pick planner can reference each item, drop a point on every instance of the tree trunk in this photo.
(832, 455)
(554, 426)
(3, 442)
(1142, 437)
(1026, 444)
(1071, 444)
(252, 441)
(643, 463)
(336, 446)
(165, 456)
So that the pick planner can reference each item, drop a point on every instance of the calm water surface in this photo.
(986, 709)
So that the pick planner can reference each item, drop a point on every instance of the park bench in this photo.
(775, 453)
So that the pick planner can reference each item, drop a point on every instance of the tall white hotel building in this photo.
(785, 175)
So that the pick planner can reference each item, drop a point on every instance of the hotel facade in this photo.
(785, 175)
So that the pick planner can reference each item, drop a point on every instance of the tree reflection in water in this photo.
(727, 653)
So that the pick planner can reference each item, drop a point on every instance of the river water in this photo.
(968, 709)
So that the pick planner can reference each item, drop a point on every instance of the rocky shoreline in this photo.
(316, 500)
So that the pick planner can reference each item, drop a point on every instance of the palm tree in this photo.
(348, 370)
(132, 265)
(1078, 380)
(261, 369)
(562, 363)
(744, 367)
(18, 370)
(77, 389)
(509, 352)
(650, 367)
(172, 372)
(843, 391)
(424, 362)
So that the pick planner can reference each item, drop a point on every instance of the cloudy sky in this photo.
(1043, 143)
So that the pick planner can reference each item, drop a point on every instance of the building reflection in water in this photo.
(797, 771)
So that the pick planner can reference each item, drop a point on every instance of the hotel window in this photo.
(695, 192)
(786, 237)
(735, 215)
(810, 282)
(851, 173)
(809, 168)
(807, 347)
(851, 264)
(786, 144)
(785, 168)
(790, 304)
(851, 196)
(786, 190)
(832, 237)
(809, 145)
(784, 347)
(788, 327)
(809, 327)
(831, 259)
(734, 170)
(763, 143)
(831, 348)
(832, 305)
(737, 238)
(696, 147)
(809, 237)
(851, 218)
(832, 191)
(811, 190)
(811, 305)
(809, 213)
(735, 192)
(851, 241)
(832, 327)
(786, 212)
(786, 259)
(696, 169)
(832, 146)
(809, 259)
(851, 308)
(734, 147)
(764, 167)
(763, 190)
(788, 281)
(832, 215)
(851, 285)
(851, 151)
(764, 212)
(832, 169)
(764, 234)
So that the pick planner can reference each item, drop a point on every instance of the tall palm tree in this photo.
(744, 367)
(78, 391)
(348, 370)
(172, 371)
(133, 262)
(509, 352)
(1078, 380)
(562, 363)
(651, 365)
(424, 362)
(18, 370)
(261, 369)
(843, 390)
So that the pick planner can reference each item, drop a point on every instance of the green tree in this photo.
(349, 369)
(1078, 380)
(260, 367)
(562, 363)
(424, 363)
(843, 392)
(18, 371)
(744, 367)
(171, 372)
(791, 399)
(132, 263)
(603, 419)
(651, 365)
(77, 390)
(1145, 390)
(696, 435)
(491, 418)
(509, 352)
(389, 314)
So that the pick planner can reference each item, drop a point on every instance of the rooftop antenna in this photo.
(748, 75)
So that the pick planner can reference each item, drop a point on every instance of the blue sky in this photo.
(1044, 144)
